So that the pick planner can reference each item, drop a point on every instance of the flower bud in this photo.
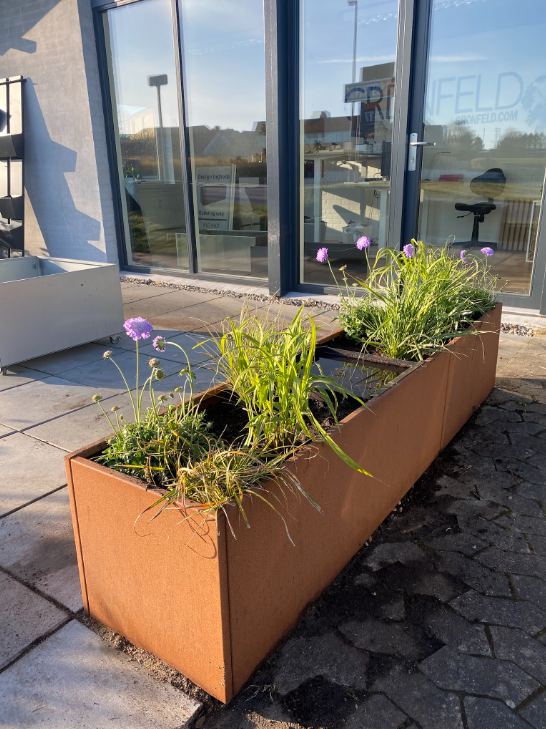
(97, 397)
(154, 363)
(107, 354)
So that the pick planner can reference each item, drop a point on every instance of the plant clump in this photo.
(417, 300)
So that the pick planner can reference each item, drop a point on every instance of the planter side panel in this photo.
(472, 367)
(159, 584)
(271, 581)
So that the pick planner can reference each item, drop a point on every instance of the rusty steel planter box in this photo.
(213, 606)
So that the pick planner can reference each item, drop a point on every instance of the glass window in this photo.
(144, 88)
(347, 103)
(482, 181)
(224, 65)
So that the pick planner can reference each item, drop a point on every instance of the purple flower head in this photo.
(409, 250)
(138, 328)
(363, 242)
(322, 255)
(488, 251)
(159, 344)
(462, 255)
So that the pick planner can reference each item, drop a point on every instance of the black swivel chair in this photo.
(489, 185)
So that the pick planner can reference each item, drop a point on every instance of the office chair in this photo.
(489, 185)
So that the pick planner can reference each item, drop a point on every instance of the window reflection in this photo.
(481, 183)
(144, 91)
(225, 92)
(347, 102)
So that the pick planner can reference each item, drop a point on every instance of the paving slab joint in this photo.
(37, 591)
(32, 501)
(37, 641)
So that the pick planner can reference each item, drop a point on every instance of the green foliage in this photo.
(155, 448)
(273, 373)
(417, 304)
(175, 451)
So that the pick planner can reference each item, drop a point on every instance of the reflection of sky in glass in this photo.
(485, 58)
(224, 62)
(328, 31)
(141, 38)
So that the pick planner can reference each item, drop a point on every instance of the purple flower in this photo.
(138, 328)
(462, 255)
(159, 344)
(409, 250)
(488, 251)
(363, 242)
(322, 255)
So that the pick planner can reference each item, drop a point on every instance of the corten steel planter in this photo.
(213, 606)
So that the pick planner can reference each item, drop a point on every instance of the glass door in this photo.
(477, 144)
(348, 51)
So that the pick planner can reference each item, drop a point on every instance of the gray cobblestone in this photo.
(375, 713)
(531, 491)
(533, 565)
(514, 645)
(499, 611)
(529, 588)
(458, 633)
(326, 656)
(473, 573)
(380, 637)
(386, 554)
(468, 544)
(486, 714)
(422, 700)
(524, 524)
(494, 534)
(538, 544)
(522, 470)
(478, 675)
(535, 712)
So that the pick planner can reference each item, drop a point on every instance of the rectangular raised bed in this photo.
(213, 606)
(49, 304)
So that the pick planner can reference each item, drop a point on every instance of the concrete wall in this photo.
(68, 203)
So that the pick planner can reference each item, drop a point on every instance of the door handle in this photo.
(412, 156)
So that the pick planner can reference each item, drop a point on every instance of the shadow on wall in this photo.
(67, 232)
(16, 19)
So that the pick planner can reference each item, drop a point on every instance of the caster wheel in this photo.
(115, 340)
(3, 370)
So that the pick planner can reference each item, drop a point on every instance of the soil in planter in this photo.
(229, 420)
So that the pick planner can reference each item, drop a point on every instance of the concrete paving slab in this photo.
(83, 426)
(30, 469)
(17, 375)
(37, 546)
(24, 617)
(37, 402)
(54, 364)
(5, 431)
(76, 681)
(199, 316)
(167, 301)
(104, 376)
(138, 292)
(125, 342)
(186, 340)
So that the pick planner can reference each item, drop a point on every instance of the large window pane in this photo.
(225, 93)
(481, 184)
(144, 89)
(347, 104)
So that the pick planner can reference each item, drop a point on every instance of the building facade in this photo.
(231, 139)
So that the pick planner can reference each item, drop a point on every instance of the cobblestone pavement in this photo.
(440, 622)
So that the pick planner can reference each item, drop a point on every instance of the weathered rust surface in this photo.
(213, 606)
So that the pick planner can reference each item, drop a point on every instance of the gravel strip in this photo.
(313, 303)
(519, 329)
